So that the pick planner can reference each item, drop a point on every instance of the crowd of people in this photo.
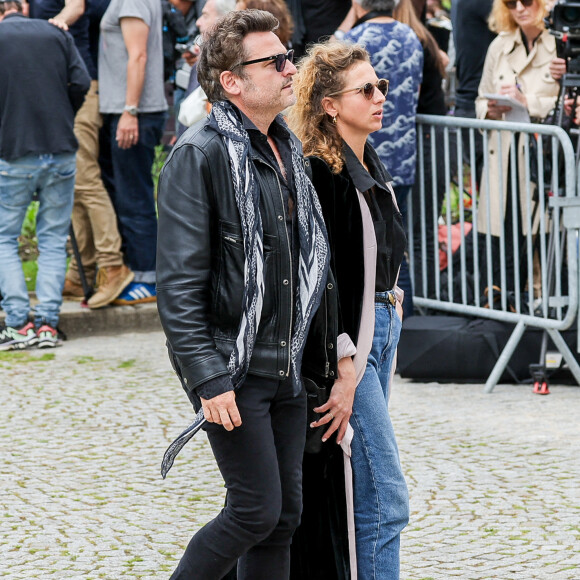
(276, 247)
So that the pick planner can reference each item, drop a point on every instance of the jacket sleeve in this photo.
(184, 258)
(79, 80)
(324, 183)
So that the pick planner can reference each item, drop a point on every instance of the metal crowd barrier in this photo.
(518, 257)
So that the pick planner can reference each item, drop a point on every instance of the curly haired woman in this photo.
(339, 104)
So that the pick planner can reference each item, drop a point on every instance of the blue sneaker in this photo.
(137, 293)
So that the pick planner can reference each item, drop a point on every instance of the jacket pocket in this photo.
(230, 284)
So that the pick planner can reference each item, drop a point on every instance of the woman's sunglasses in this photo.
(368, 90)
(511, 4)
(279, 58)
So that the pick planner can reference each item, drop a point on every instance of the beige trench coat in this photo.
(506, 62)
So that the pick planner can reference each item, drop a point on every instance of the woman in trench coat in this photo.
(517, 65)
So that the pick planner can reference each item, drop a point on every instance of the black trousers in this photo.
(261, 463)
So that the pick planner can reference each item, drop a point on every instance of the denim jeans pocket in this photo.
(8, 171)
(64, 171)
(15, 186)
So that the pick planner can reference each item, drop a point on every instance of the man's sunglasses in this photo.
(368, 90)
(279, 58)
(511, 4)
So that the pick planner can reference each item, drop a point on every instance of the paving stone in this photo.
(493, 479)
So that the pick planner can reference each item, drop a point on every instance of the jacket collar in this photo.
(14, 15)
(277, 127)
(364, 180)
(515, 51)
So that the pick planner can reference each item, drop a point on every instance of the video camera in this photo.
(564, 23)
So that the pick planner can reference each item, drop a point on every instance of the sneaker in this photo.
(6, 338)
(112, 281)
(137, 293)
(18, 338)
(47, 336)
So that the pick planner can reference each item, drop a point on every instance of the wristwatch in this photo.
(131, 109)
(339, 34)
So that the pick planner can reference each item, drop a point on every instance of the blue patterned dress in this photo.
(397, 55)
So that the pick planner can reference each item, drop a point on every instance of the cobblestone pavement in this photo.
(494, 479)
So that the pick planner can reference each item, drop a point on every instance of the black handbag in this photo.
(315, 397)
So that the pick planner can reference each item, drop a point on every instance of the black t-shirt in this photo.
(472, 37)
(431, 96)
(387, 220)
(94, 12)
(322, 17)
(45, 9)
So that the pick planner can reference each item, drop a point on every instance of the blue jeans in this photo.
(127, 176)
(381, 499)
(52, 177)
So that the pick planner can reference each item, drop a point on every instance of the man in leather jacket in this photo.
(240, 233)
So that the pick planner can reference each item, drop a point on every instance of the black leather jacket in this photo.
(200, 268)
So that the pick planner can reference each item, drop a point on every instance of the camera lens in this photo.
(571, 15)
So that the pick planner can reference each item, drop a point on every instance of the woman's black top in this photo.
(388, 221)
(431, 95)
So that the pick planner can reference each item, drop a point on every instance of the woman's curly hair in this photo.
(320, 74)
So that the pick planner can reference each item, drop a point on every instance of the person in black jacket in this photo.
(40, 92)
(339, 104)
(241, 268)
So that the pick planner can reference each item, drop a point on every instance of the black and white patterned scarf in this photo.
(312, 267)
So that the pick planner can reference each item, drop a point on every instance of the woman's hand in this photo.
(338, 408)
(514, 92)
(494, 111)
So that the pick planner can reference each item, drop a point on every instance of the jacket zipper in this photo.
(290, 261)
(326, 361)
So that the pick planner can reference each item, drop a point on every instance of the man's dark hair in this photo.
(387, 5)
(6, 5)
(223, 48)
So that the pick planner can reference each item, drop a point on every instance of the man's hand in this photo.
(222, 410)
(59, 23)
(190, 56)
(558, 68)
(338, 408)
(127, 131)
